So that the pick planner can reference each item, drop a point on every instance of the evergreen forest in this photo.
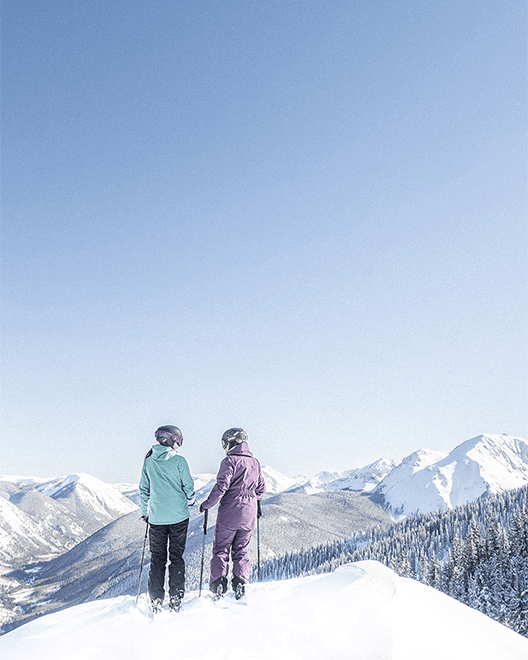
(476, 553)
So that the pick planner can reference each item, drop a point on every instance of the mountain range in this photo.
(72, 539)
(428, 480)
(41, 519)
(422, 482)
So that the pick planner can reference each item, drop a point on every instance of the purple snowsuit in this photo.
(239, 484)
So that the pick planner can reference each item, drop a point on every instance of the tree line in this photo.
(476, 553)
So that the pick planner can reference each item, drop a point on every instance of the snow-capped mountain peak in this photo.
(428, 481)
(42, 517)
(82, 492)
(276, 482)
(422, 458)
(360, 479)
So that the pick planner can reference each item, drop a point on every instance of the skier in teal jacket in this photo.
(166, 491)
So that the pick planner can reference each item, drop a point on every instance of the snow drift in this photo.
(362, 611)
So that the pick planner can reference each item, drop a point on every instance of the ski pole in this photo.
(203, 550)
(258, 549)
(142, 558)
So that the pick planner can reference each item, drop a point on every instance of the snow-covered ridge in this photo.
(76, 492)
(277, 482)
(40, 518)
(82, 492)
(361, 479)
(362, 611)
(429, 481)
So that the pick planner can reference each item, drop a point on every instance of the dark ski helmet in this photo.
(233, 437)
(169, 436)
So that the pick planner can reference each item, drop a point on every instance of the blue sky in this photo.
(307, 219)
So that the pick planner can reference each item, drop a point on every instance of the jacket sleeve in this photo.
(261, 486)
(187, 480)
(223, 481)
(144, 490)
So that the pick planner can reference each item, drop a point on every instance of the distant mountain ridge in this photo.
(422, 482)
(360, 479)
(41, 518)
(428, 481)
(76, 538)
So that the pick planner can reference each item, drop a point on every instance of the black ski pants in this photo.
(173, 538)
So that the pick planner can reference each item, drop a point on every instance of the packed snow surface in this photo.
(362, 611)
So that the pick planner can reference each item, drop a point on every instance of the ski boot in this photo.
(175, 601)
(238, 586)
(218, 587)
(156, 605)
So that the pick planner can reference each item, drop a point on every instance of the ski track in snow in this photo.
(362, 611)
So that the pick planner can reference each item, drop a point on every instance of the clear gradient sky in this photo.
(306, 218)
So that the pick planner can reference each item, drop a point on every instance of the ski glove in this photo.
(144, 519)
(259, 509)
(202, 508)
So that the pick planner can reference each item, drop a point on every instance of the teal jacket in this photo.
(166, 486)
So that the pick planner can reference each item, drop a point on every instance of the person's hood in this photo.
(242, 449)
(163, 453)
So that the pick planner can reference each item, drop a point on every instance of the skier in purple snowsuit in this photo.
(239, 488)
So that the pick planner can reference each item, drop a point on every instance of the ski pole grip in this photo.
(205, 520)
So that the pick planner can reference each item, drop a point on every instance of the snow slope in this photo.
(88, 496)
(362, 611)
(430, 481)
(107, 563)
(276, 482)
(33, 526)
(21, 536)
(40, 518)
